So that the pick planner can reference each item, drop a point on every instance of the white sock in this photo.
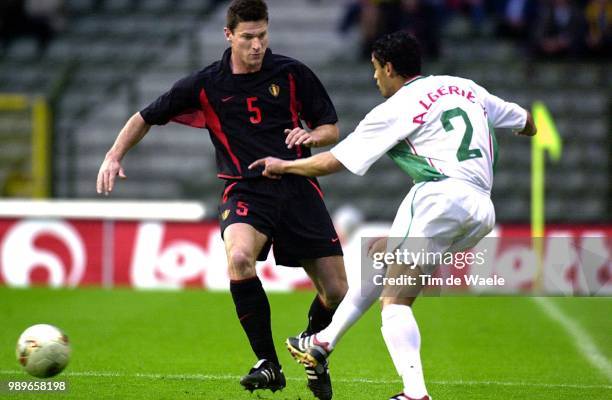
(356, 302)
(401, 334)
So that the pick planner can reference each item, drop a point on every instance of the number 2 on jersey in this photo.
(255, 119)
(464, 152)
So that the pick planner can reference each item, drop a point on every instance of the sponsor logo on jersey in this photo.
(274, 90)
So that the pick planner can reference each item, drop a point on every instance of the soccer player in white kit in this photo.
(439, 130)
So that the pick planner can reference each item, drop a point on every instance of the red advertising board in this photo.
(173, 255)
(152, 254)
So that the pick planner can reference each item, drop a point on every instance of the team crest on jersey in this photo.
(274, 90)
(224, 215)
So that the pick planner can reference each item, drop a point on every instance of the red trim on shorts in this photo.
(227, 190)
(214, 124)
(223, 176)
(293, 107)
(318, 189)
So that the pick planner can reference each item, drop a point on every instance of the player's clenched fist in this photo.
(109, 169)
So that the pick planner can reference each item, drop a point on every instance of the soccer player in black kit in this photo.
(252, 102)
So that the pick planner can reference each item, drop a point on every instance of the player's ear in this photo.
(389, 70)
(228, 33)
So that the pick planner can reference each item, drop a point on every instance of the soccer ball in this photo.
(43, 350)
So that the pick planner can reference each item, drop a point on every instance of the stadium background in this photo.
(64, 96)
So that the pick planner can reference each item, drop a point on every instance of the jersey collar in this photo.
(416, 78)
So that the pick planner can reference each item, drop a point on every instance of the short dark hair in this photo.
(246, 11)
(402, 50)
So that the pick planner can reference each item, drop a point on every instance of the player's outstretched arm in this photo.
(133, 131)
(317, 165)
(321, 136)
(530, 128)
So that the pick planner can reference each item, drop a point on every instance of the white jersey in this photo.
(434, 127)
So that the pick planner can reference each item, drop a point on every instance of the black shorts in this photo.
(289, 211)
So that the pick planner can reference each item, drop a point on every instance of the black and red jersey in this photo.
(246, 114)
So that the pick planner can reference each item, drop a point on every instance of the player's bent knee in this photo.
(241, 265)
(334, 295)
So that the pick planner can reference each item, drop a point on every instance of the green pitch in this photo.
(189, 345)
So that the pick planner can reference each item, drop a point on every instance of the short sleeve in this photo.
(372, 138)
(316, 107)
(181, 104)
(501, 113)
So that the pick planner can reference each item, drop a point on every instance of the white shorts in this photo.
(438, 217)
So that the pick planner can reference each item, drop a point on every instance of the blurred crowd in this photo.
(40, 19)
(544, 28)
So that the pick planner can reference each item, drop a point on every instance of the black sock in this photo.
(319, 316)
(253, 310)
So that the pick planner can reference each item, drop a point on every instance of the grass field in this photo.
(189, 345)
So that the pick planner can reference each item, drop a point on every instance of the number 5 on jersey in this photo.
(242, 209)
(255, 119)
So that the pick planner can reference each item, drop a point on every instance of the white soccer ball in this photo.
(43, 350)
